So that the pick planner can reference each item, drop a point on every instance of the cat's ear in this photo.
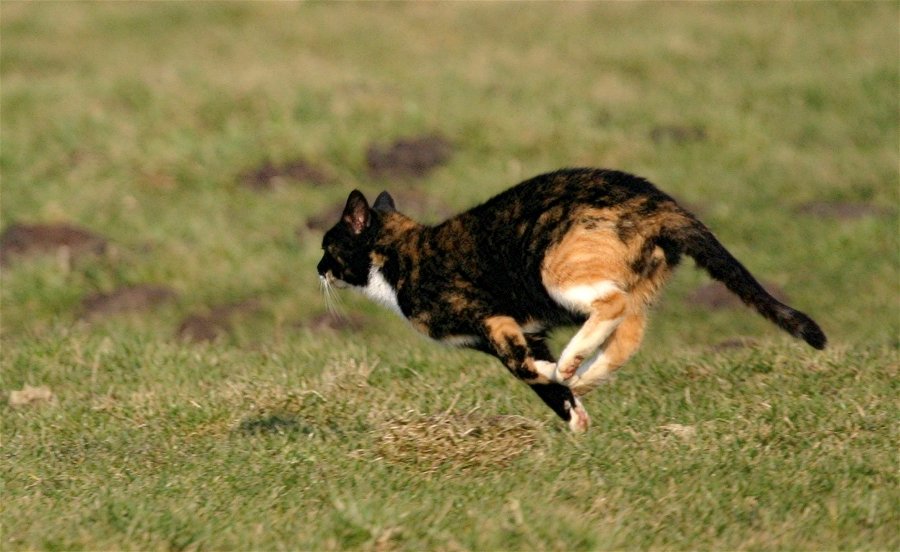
(356, 213)
(384, 203)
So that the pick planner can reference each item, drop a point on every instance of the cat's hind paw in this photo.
(566, 370)
(554, 373)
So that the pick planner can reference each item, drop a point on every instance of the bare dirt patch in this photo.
(840, 210)
(459, 440)
(136, 298)
(279, 424)
(21, 240)
(715, 296)
(329, 322)
(324, 220)
(409, 157)
(678, 134)
(200, 327)
(269, 176)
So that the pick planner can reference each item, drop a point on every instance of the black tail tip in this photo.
(800, 326)
(813, 334)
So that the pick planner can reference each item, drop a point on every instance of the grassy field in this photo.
(148, 125)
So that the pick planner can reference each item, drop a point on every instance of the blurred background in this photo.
(203, 149)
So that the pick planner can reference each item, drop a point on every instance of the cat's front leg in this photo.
(507, 341)
(566, 405)
(510, 345)
(544, 362)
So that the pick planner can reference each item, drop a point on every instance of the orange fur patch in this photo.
(592, 251)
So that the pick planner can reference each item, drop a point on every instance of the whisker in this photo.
(323, 288)
(338, 304)
(338, 300)
(332, 300)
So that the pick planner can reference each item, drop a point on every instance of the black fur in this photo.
(699, 243)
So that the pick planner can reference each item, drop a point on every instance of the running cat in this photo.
(587, 247)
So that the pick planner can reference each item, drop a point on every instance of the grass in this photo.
(136, 121)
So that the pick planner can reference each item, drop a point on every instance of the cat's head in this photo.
(347, 246)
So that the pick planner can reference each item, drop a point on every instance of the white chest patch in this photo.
(379, 290)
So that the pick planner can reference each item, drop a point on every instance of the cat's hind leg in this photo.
(616, 351)
(605, 307)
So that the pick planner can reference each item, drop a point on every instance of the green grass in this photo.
(136, 121)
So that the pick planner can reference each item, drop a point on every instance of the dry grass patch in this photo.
(456, 440)
(29, 395)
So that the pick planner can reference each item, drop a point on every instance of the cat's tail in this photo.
(694, 239)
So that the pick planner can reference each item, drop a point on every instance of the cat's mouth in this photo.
(329, 280)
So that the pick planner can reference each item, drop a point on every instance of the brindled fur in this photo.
(584, 247)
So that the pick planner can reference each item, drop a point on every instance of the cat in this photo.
(588, 247)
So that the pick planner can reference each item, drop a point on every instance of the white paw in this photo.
(580, 421)
(546, 369)
(566, 369)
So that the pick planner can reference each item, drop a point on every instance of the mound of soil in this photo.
(678, 134)
(326, 219)
(268, 176)
(278, 424)
(33, 239)
(217, 322)
(715, 296)
(126, 299)
(408, 158)
(839, 210)
(329, 322)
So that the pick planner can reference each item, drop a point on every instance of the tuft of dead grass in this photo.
(456, 440)
(683, 432)
(29, 395)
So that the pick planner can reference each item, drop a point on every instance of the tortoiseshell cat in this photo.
(577, 246)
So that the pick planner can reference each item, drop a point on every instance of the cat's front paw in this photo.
(546, 369)
(579, 422)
